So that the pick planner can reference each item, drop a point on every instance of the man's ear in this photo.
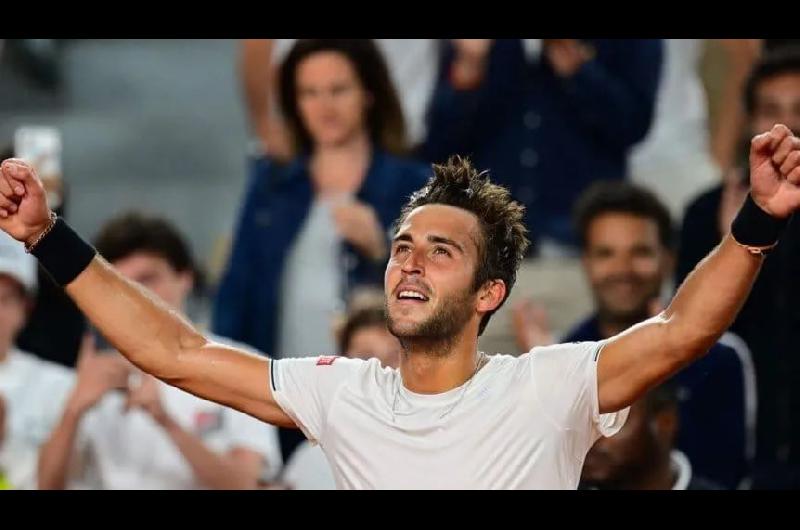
(491, 295)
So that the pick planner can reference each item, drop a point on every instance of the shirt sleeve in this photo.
(305, 388)
(565, 384)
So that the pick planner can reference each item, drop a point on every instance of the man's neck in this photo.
(433, 368)
(341, 166)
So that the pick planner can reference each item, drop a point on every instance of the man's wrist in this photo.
(75, 409)
(166, 422)
(63, 253)
(755, 229)
(40, 232)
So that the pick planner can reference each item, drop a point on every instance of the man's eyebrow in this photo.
(446, 241)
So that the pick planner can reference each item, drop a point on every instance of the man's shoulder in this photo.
(368, 374)
(327, 368)
(565, 356)
(579, 346)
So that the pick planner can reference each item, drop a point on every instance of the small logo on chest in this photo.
(326, 360)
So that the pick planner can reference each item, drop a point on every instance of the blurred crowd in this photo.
(630, 158)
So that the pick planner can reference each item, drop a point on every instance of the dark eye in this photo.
(441, 250)
(400, 248)
(339, 90)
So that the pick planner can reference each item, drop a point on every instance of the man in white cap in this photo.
(32, 390)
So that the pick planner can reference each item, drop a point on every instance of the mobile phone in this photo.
(40, 146)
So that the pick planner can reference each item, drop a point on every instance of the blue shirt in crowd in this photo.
(717, 408)
(277, 202)
(544, 136)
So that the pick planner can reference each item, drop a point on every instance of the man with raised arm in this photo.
(450, 416)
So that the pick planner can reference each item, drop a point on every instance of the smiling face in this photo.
(626, 265)
(155, 273)
(429, 282)
(777, 100)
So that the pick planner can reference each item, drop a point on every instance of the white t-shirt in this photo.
(119, 450)
(521, 423)
(308, 469)
(674, 160)
(311, 286)
(35, 392)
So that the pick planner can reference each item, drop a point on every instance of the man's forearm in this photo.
(703, 308)
(213, 470)
(56, 453)
(708, 301)
(140, 326)
(161, 342)
(256, 57)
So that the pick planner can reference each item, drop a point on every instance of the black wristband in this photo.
(63, 253)
(756, 228)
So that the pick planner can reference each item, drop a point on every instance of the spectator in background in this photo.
(627, 242)
(769, 321)
(363, 335)
(33, 390)
(546, 125)
(54, 328)
(412, 65)
(123, 429)
(680, 156)
(312, 230)
(642, 455)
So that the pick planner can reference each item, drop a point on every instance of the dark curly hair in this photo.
(781, 61)
(619, 196)
(133, 232)
(364, 317)
(504, 242)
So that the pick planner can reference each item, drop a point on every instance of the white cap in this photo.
(17, 263)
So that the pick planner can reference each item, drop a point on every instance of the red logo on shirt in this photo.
(326, 360)
(207, 421)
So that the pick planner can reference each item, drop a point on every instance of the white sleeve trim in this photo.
(610, 423)
(738, 345)
(284, 403)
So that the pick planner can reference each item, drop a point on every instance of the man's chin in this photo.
(404, 328)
